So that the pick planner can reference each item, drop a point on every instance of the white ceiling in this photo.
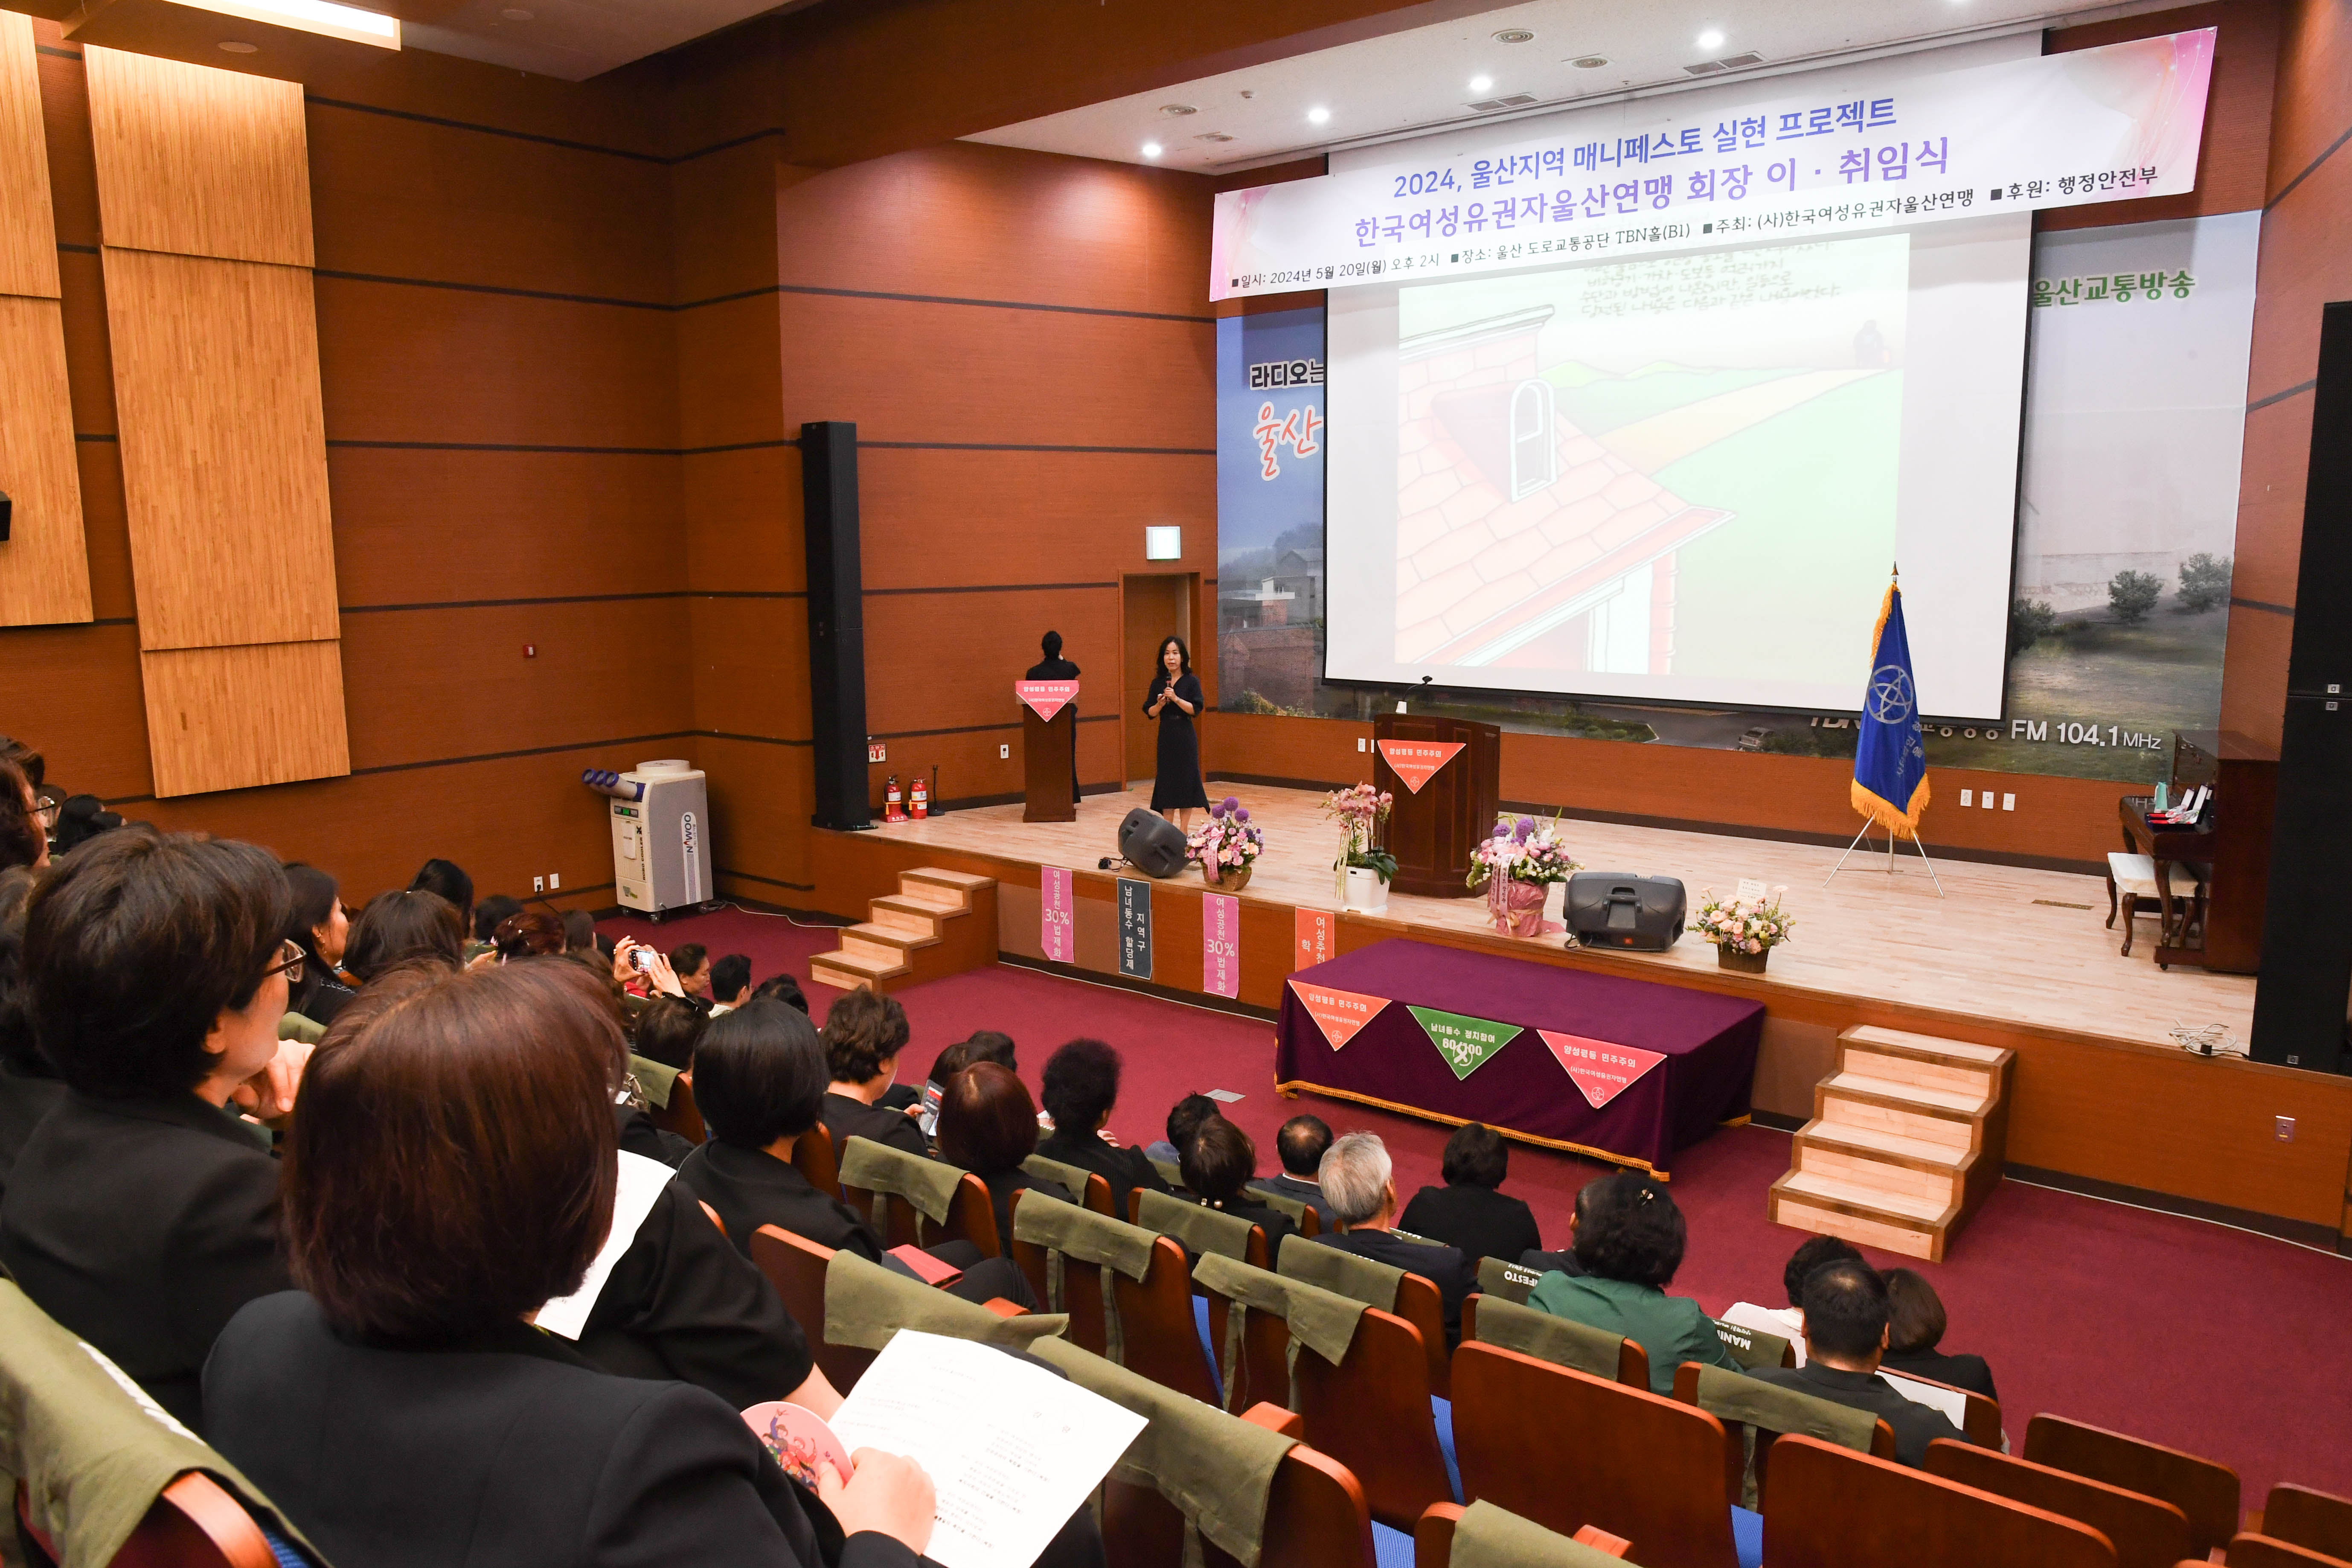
(1419, 81)
(575, 39)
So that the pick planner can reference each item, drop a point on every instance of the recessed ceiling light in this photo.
(234, 48)
(1514, 36)
(1589, 62)
(1178, 109)
(1319, 115)
(1711, 39)
(346, 22)
(1482, 83)
(1152, 149)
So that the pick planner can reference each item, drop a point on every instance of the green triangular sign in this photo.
(1464, 1042)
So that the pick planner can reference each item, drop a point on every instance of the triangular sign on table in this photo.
(1601, 1069)
(1464, 1042)
(1339, 1013)
(1045, 698)
(1417, 761)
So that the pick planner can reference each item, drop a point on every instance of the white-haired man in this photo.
(1358, 1183)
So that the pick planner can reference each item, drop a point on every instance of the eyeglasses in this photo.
(291, 959)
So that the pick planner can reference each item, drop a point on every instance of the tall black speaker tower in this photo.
(837, 620)
(2301, 1000)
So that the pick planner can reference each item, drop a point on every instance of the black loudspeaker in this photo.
(2305, 985)
(1616, 908)
(1151, 844)
(836, 621)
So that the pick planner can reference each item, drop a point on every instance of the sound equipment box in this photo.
(1616, 908)
(1151, 844)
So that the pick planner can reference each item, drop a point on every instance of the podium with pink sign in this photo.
(1628, 1070)
(1049, 750)
(1446, 774)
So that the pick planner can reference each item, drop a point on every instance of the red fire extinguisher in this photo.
(892, 811)
(919, 803)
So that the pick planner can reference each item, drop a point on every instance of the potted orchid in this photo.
(1365, 869)
(1518, 864)
(1743, 930)
(1225, 846)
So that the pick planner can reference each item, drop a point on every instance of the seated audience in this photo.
(494, 911)
(1217, 1165)
(579, 931)
(402, 1407)
(1844, 1305)
(29, 1085)
(396, 928)
(864, 1034)
(1359, 1186)
(448, 879)
(988, 1125)
(690, 962)
(322, 930)
(1630, 1237)
(532, 934)
(1914, 1326)
(1813, 1252)
(760, 1079)
(1467, 1213)
(1081, 1086)
(23, 839)
(1299, 1146)
(1184, 1119)
(781, 988)
(990, 1046)
(730, 982)
(142, 1211)
(1563, 1261)
(667, 1032)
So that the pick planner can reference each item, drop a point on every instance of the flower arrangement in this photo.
(1225, 846)
(1743, 929)
(1362, 811)
(1522, 851)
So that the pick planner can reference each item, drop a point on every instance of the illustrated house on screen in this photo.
(1522, 543)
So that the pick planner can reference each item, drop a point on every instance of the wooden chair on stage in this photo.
(2145, 1531)
(2250, 1551)
(1566, 1450)
(1432, 1540)
(1831, 1508)
(2205, 1492)
(1633, 1360)
(1314, 1514)
(1158, 1336)
(2314, 1521)
(813, 1157)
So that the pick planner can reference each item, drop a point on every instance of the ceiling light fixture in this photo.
(1152, 149)
(1482, 83)
(235, 47)
(1711, 39)
(1175, 110)
(1589, 62)
(346, 22)
(1319, 115)
(1213, 136)
(1514, 36)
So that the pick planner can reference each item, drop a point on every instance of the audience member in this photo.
(1813, 1252)
(990, 1046)
(1844, 1305)
(494, 911)
(580, 932)
(401, 1407)
(448, 878)
(1217, 1165)
(1467, 1213)
(781, 988)
(23, 840)
(1915, 1327)
(864, 1034)
(534, 934)
(988, 1125)
(142, 1211)
(36, 767)
(1081, 1086)
(1359, 1186)
(29, 1085)
(321, 930)
(1630, 1237)
(730, 982)
(411, 927)
(667, 1031)
(691, 963)
(1563, 1261)
(1299, 1145)
(1184, 1119)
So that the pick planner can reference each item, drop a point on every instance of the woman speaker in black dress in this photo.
(1174, 699)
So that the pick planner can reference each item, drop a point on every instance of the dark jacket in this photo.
(1916, 1425)
(1453, 1275)
(845, 1119)
(640, 1136)
(1308, 1192)
(511, 1453)
(142, 1226)
(1266, 1216)
(750, 1187)
(1124, 1168)
(1478, 1221)
(1969, 1371)
(25, 1098)
(328, 997)
(1004, 1188)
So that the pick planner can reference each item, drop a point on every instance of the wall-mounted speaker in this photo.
(836, 621)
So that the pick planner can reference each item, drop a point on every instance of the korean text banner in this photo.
(1724, 168)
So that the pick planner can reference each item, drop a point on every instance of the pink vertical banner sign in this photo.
(1221, 944)
(1055, 933)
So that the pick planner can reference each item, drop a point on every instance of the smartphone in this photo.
(641, 958)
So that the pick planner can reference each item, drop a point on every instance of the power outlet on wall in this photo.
(1361, 744)
(539, 884)
(1003, 754)
(2282, 1129)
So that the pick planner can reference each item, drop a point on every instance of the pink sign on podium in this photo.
(1045, 698)
(1417, 761)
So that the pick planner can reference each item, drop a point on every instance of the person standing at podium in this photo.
(1174, 700)
(1054, 667)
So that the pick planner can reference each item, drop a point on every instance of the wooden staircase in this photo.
(1906, 1142)
(938, 923)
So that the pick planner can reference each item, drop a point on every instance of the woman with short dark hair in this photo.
(1080, 1091)
(1630, 1237)
(319, 927)
(448, 879)
(1218, 1166)
(988, 1125)
(1915, 1327)
(668, 1031)
(1467, 1211)
(408, 927)
(864, 1034)
(453, 1170)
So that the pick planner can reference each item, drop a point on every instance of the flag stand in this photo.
(1916, 843)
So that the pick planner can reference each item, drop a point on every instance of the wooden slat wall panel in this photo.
(223, 449)
(227, 717)
(28, 251)
(199, 161)
(43, 568)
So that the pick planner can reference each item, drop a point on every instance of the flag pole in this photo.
(1887, 789)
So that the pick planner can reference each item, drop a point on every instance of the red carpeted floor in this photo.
(2227, 1344)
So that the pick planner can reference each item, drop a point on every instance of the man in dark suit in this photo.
(1080, 1089)
(1845, 1312)
(1358, 1185)
(864, 1034)
(1299, 1146)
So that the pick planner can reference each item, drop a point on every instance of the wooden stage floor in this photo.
(2004, 944)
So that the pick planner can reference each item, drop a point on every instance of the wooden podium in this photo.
(1432, 830)
(1049, 751)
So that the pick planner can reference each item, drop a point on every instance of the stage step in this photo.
(1904, 1144)
(939, 922)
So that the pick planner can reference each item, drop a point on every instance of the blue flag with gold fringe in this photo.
(1890, 764)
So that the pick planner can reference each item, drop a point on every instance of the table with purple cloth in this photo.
(1521, 1088)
